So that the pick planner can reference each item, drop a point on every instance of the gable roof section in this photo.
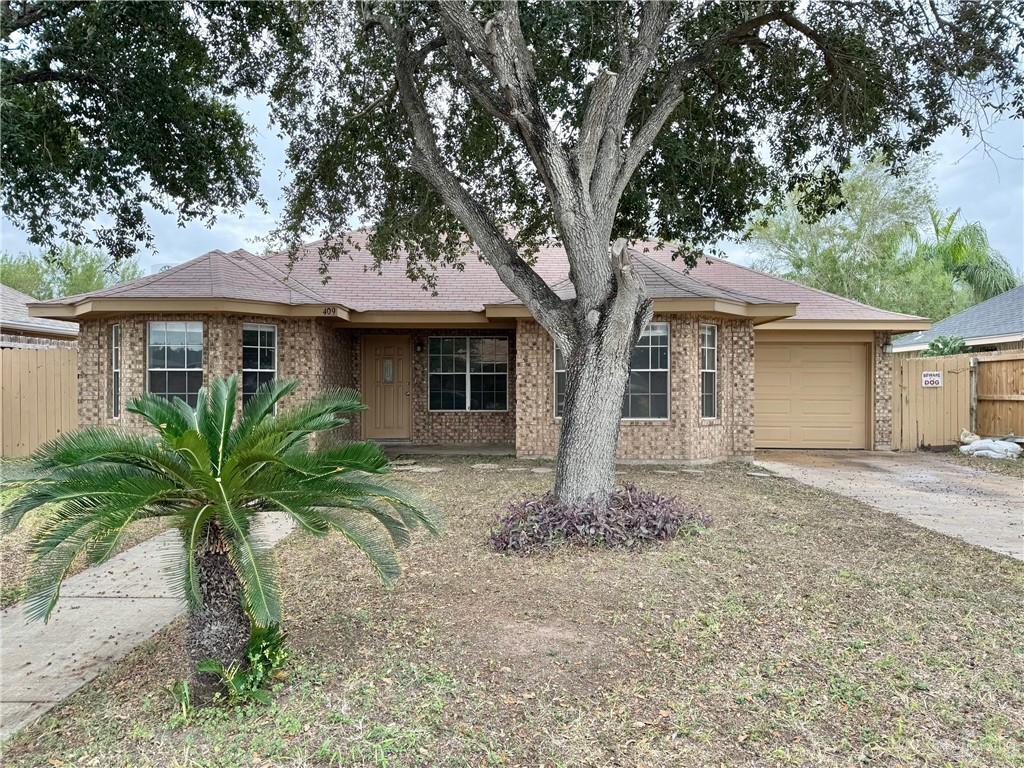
(999, 318)
(14, 316)
(357, 291)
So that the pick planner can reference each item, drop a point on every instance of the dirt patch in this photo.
(802, 628)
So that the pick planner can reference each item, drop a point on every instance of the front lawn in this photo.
(802, 628)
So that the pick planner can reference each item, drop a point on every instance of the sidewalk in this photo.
(103, 613)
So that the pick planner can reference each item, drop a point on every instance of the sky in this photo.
(984, 180)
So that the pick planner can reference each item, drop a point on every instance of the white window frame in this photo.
(259, 327)
(115, 370)
(201, 369)
(469, 374)
(701, 370)
(667, 371)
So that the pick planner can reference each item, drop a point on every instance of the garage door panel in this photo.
(810, 395)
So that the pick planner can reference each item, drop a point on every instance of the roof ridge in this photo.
(113, 290)
(264, 261)
(809, 288)
(675, 273)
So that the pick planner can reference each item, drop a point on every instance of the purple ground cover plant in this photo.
(630, 518)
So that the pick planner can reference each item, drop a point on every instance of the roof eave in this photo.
(98, 307)
(910, 324)
(760, 313)
(42, 330)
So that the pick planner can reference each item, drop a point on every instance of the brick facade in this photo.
(320, 355)
(881, 378)
(446, 427)
(684, 435)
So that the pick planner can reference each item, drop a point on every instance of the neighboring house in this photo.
(733, 359)
(19, 329)
(994, 325)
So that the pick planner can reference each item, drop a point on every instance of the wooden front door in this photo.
(386, 363)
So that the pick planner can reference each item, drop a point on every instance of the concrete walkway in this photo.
(103, 613)
(975, 505)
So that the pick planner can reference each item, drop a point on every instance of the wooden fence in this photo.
(935, 397)
(39, 397)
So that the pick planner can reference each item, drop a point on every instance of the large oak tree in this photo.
(504, 123)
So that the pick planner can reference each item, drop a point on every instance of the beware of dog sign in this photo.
(931, 378)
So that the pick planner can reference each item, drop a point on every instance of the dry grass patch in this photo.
(1010, 467)
(802, 628)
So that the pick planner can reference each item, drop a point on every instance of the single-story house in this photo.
(995, 325)
(19, 329)
(732, 360)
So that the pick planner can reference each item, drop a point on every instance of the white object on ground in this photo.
(966, 438)
(992, 449)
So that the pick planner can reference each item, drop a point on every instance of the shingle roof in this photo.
(354, 283)
(237, 275)
(1002, 315)
(14, 316)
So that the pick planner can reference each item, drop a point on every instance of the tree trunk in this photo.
(597, 373)
(219, 629)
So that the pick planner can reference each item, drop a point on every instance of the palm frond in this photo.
(367, 537)
(105, 445)
(253, 565)
(192, 531)
(260, 406)
(216, 417)
(165, 415)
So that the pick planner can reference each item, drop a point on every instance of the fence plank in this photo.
(934, 416)
(39, 399)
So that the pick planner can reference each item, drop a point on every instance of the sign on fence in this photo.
(931, 378)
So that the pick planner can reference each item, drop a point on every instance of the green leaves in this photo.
(213, 479)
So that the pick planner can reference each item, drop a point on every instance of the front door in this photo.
(386, 383)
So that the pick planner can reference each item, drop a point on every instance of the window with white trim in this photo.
(467, 373)
(708, 371)
(647, 392)
(175, 360)
(259, 357)
(115, 371)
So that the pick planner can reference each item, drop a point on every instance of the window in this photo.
(259, 357)
(175, 360)
(115, 371)
(708, 371)
(468, 374)
(647, 390)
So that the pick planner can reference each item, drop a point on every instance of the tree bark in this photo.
(597, 373)
(219, 629)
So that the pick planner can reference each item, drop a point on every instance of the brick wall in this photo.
(444, 428)
(684, 435)
(308, 349)
(316, 353)
(882, 382)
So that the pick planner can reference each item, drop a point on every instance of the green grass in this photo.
(801, 629)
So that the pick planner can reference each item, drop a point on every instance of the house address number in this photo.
(931, 378)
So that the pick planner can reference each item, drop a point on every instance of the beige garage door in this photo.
(810, 395)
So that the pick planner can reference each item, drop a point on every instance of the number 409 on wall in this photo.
(931, 378)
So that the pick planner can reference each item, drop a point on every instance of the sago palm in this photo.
(212, 476)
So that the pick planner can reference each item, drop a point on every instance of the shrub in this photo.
(631, 517)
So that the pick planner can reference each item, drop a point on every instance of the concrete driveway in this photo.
(930, 490)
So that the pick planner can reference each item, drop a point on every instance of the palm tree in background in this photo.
(212, 476)
(966, 255)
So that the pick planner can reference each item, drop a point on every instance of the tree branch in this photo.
(47, 76)
(427, 160)
(12, 21)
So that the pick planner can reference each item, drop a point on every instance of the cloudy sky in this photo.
(985, 181)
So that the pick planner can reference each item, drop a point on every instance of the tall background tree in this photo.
(65, 272)
(509, 123)
(112, 108)
(888, 246)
